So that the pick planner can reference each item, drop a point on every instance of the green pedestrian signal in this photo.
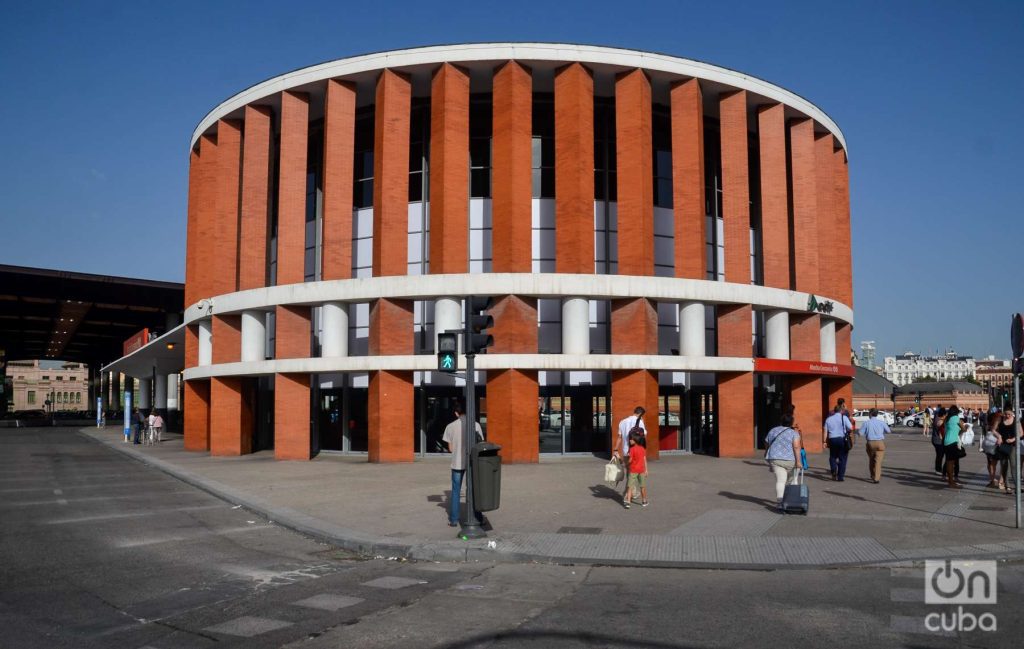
(447, 352)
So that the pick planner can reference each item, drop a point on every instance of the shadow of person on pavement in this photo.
(770, 505)
(604, 491)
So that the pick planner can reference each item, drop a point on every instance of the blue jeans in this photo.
(837, 455)
(453, 502)
(138, 433)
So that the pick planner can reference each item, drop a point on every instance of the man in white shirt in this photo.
(453, 437)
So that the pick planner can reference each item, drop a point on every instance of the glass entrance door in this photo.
(703, 423)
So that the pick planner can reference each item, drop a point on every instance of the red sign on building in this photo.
(778, 366)
(136, 342)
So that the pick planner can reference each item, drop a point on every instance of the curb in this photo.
(510, 546)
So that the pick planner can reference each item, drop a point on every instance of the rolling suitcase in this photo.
(796, 499)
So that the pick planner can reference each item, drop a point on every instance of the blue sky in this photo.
(100, 99)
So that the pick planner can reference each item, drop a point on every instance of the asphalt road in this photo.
(97, 550)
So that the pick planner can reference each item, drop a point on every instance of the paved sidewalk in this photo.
(704, 511)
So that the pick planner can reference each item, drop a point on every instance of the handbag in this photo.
(848, 441)
(961, 452)
(613, 472)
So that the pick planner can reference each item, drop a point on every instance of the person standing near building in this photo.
(926, 420)
(138, 421)
(874, 431)
(951, 442)
(938, 434)
(453, 437)
(1008, 431)
(637, 480)
(784, 446)
(621, 449)
(837, 430)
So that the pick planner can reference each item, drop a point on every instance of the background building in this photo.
(872, 390)
(941, 393)
(648, 227)
(65, 385)
(911, 367)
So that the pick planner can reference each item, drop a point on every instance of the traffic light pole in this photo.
(472, 526)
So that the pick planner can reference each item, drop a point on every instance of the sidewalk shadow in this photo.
(604, 491)
(913, 509)
(770, 505)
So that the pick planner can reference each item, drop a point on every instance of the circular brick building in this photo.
(653, 230)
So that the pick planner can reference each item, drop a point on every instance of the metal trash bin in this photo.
(485, 464)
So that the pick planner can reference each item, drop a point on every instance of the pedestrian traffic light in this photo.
(477, 324)
(447, 352)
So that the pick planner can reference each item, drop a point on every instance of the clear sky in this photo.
(99, 100)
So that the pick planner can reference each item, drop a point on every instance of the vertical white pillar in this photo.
(334, 338)
(575, 325)
(160, 392)
(447, 315)
(691, 329)
(172, 391)
(144, 400)
(254, 336)
(205, 342)
(828, 340)
(776, 335)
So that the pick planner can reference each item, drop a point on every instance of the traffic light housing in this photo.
(477, 324)
(447, 352)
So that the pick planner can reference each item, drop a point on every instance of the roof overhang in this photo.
(162, 355)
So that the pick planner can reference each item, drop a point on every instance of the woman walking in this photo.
(951, 442)
(1008, 432)
(990, 442)
(783, 450)
(938, 434)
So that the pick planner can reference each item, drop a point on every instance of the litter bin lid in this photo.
(485, 447)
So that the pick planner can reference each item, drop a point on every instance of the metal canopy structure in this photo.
(54, 314)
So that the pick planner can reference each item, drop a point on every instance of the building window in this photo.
(605, 181)
(419, 150)
(661, 130)
(78, 397)
(314, 201)
(46, 378)
(480, 126)
(60, 378)
(31, 397)
(362, 196)
(543, 145)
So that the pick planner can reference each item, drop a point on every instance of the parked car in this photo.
(914, 420)
(860, 416)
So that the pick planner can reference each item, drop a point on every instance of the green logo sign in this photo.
(815, 306)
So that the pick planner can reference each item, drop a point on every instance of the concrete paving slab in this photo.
(247, 626)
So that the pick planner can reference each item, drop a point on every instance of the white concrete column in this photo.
(447, 315)
(172, 391)
(575, 325)
(160, 392)
(776, 335)
(254, 336)
(828, 340)
(144, 387)
(205, 342)
(334, 337)
(691, 329)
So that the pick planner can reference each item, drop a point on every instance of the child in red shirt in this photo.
(637, 468)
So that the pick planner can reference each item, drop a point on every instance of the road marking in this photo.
(58, 492)
(393, 583)
(171, 538)
(61, 501)
(139, 514)
(247, 626)
(915, 595)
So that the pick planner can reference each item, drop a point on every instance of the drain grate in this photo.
(579, 530)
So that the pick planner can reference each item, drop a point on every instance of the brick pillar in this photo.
(225, 230)
(844, 253)
(844, 350)
(449, 170)
(805, 224)
(735, 389)
(339, 142)
(574, 170)
(775, 232)
(805, 394)
(512, 393)
(230, 420)
(805, 337)
(206, 214)
(197, 415)
(688, 179)
(838, 388)
(292, 329)
(635, 331)
(635, 322)
(735, 186)
(511, 205)
(829, 245)
(391, 426)
(191, 237)
(292, 440)
(252, 253)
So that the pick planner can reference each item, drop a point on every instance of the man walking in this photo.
(837, 427)
(621, 448)
(874, 431)
(453, 438)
